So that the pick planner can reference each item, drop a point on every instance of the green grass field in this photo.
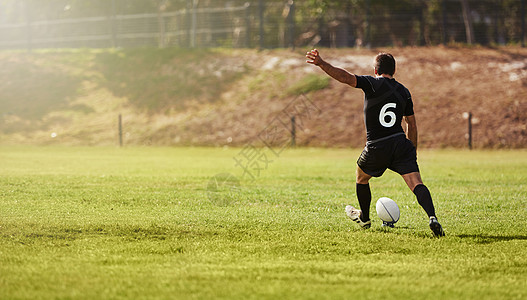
(138, 223)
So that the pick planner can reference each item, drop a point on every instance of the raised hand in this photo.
(313, 57)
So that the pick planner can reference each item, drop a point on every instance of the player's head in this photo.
(384, 63)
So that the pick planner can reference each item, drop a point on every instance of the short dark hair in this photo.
(385, 64)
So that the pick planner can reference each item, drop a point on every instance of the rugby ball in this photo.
(387, 210)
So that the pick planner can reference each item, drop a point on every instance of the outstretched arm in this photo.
(337, 73)
(411, 129)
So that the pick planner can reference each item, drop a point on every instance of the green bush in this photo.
(308, 84)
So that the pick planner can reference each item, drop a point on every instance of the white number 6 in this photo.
(384, 113)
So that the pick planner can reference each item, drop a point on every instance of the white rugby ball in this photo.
(387, 210)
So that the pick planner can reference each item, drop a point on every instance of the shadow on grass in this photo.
(476, 238)
(488, 239)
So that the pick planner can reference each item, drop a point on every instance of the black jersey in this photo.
(386, 101)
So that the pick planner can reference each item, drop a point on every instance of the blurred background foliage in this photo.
(288, 23)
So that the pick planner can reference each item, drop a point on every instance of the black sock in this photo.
(425, 199)
(364, 197)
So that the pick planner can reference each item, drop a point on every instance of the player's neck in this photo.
(385, 76)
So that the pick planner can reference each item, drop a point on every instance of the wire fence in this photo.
(264, 24)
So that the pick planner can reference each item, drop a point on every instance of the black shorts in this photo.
(397, 154)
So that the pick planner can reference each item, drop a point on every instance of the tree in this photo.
(469, 29)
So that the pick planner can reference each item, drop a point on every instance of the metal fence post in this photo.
(162, 34)
(188, 21)
(522, 12)
(193, 24)
(496, 22)
(470, 130)
(247, 25)
(443, 15)
(290, 25)
(113, 25)
(261, 8)
(367, 39)
(293, 131)
(422, 11)
(29, 40)
(120, 131)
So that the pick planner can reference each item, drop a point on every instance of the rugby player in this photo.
(388, 146)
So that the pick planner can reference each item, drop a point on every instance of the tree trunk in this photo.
(468, 21)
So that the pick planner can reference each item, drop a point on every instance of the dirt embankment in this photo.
(445, 83)
(239, 97)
